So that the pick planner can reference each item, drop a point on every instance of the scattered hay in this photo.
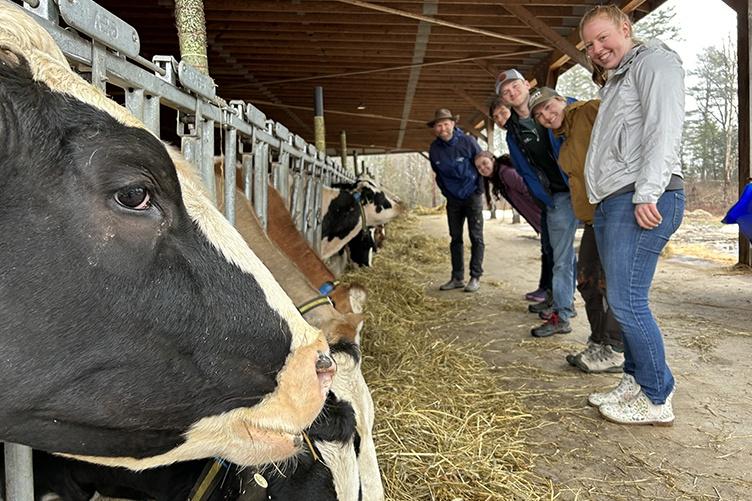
(699, 251)
(429, 211)
(699, 214)
(446, 427)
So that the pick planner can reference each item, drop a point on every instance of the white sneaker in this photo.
(603, 359)
(624, 392)
(640, 411)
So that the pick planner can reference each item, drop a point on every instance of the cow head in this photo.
(379, 206)
(136, 327)
(347, 207)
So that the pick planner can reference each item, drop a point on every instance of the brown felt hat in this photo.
(441, 114)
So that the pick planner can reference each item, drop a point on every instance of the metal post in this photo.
(99, 66)
(151, 114)
(247, 169)
(134, 102)
(343, 149)
(282, 181)
(231, 155)
(296, 207)
(260, 175)
(355, 164)
(19, 473)
(206, 165)
(45, 9)
(308, 203)
(318, 118)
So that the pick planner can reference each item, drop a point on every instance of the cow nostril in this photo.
(324, 362)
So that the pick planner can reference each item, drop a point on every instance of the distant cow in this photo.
(347, 298)
(348, 207)
(362, 248)
(136, 327)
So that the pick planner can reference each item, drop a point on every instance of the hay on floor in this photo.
(446, 427)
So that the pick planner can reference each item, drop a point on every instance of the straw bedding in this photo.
(446, 427)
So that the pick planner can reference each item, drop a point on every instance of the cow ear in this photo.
(358, 297)
(10, 58)
(355, 319)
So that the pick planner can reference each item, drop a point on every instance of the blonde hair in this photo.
(611, 12)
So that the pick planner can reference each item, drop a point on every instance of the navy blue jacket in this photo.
(453, 163)
(534, 178)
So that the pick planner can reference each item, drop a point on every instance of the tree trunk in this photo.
(191, 24)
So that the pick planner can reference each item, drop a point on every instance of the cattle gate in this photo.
(98, 42)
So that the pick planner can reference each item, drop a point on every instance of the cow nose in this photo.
(324, 362)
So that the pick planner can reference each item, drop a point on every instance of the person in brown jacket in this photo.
(574, 123)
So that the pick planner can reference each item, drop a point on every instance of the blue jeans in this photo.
(630, 255)
(547, 256)
(562, 225)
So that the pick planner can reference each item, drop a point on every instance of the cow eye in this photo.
(134, 197)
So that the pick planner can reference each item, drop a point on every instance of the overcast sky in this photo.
(703, 23)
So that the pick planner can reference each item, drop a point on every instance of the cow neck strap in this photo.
(207, 481)
(314, 303)
(328, 286)
(310, 446)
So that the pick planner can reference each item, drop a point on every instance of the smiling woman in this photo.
(634, 174)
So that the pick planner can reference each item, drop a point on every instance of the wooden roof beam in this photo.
(440, 22)
(407, 66)
(559, 59)
(549, 34)
(329, 111)
(419, 53)
(470, 100)
(228, 59)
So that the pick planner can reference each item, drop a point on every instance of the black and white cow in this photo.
(362, 248)
(307, 476)
(347, 207)
(136, 327)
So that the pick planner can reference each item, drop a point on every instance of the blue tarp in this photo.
(741, 213)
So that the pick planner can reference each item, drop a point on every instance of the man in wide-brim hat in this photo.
(451, 155)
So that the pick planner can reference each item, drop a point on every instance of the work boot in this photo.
(603, 360)
(537, 295)
(591, 347)
(546, 314)
(640, 410)
(454, 283)
(473, 285)
(543, 305)
(626, 390)
(553, 325)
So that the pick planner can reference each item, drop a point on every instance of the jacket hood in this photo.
(648, 46)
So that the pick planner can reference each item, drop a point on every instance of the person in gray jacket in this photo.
(633, 174)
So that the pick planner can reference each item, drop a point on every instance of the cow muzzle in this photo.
(325, 369)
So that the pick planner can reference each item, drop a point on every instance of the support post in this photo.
(318, 118)
(191, 24)
(744, 48)
(19, 473)
(343, 149)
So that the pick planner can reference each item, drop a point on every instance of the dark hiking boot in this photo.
(455, 283)
(552, 326)
(473, 285)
